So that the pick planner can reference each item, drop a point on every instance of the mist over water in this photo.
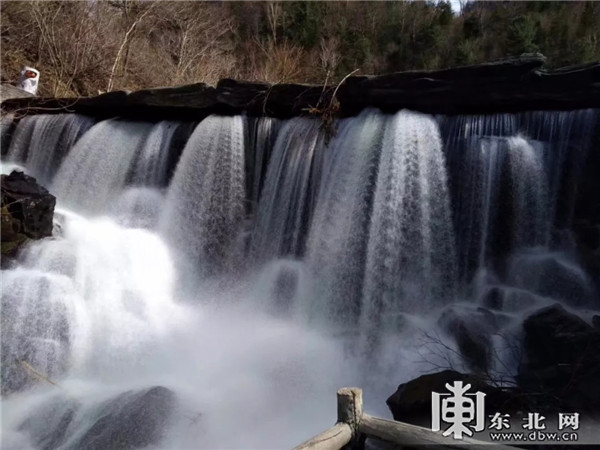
(273, 264)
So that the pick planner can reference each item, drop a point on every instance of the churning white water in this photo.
(231, 294)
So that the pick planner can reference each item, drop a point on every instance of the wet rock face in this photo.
(27, 212)
(131, 420)
(562, 358)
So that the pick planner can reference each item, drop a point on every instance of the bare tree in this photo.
(68, 51)
(274, 16)
(133, 16)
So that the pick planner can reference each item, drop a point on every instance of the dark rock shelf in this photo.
(518, 84)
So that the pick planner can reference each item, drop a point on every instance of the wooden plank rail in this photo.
(354, 425)
(335, 438)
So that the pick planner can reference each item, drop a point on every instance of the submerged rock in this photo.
(562, 358)
(27, 212)
(131, 420)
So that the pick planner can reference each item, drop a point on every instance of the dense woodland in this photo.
(87, 47)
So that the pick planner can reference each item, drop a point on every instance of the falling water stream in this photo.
(270, 264)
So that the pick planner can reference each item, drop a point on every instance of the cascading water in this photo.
(263, 132)
(512, 166)
(139, 205)
(97, 167)
(358, 244)
(339, 234)
(205, 202)
(530, 194)
(410, 255)
(289, 192)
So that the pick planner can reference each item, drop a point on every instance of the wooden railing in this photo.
(354, 426)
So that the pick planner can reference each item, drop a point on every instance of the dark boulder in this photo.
(27, 212)
(472, 329)
(131, 420)
(411, 403)
(562, 358)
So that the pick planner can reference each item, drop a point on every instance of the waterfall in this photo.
(410, 254)
(97, 167)
(288, 197)
(512, 166)
(263, 134)
(530, 194)
(340, 229)
(205, 201)
(150, 168)
(140, 204)
(41, 142)
(256, 261)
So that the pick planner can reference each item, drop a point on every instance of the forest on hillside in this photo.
(87, 47)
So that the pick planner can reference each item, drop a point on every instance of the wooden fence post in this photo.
(350, 411)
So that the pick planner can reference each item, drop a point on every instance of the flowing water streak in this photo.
(340, 227)
(96, 169)
(205, 201)
(410, 256)
(263, 134)
(139, 205)
(51, 141)
(290, 189)
(19, 142)
(150, 167)
(530, 194)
